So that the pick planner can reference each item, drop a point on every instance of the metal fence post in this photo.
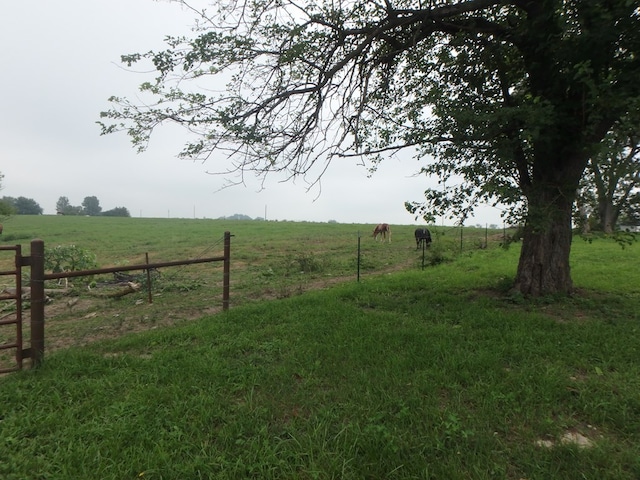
(37, 302)
(18, 263)
(358, 276)
(226, 271)
(148, 272)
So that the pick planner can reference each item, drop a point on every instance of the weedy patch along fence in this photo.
(38, 298)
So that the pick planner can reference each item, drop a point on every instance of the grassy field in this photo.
(269, 260)
(439, 373)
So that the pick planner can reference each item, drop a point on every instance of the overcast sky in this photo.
(60, 65)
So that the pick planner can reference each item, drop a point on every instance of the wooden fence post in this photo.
(37, 302)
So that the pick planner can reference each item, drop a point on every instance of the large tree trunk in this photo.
(544, 259)
(608, 216)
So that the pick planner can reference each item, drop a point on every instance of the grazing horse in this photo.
(383, 230)
(423, 237)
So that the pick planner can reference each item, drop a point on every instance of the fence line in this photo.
(38, 277)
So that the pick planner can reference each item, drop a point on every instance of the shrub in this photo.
(68, 258)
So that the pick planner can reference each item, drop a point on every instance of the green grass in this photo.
(268, 260)
(434, 374)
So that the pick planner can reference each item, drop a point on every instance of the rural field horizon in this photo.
(268, 260)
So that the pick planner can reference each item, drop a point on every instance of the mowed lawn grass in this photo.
(439, 373)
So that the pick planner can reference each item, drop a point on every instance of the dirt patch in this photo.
(582, 438)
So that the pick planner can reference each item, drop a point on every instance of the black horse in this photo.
(423, 236)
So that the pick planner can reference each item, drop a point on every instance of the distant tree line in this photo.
(239, 216)
(90, 206)
(19, 206)
(28, 206)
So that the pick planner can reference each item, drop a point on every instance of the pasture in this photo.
(439, 373)
(268, 260)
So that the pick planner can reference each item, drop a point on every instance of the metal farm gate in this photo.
(11, 323)
(10, 315)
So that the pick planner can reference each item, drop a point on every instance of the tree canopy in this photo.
(6, 207)
(22, 205)
(117, 212)
(503, 101)
(64, 207)
(610, 187)
(91, 206)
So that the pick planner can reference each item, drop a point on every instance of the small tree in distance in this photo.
(116, 212)
(6, 207)
(91, 206)
(63, 206)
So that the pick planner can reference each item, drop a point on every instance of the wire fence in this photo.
(269, 260)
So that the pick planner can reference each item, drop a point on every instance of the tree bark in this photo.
(544, 267)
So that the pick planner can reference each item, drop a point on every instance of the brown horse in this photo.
(383, 230)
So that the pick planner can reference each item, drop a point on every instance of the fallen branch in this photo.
(10, 293)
